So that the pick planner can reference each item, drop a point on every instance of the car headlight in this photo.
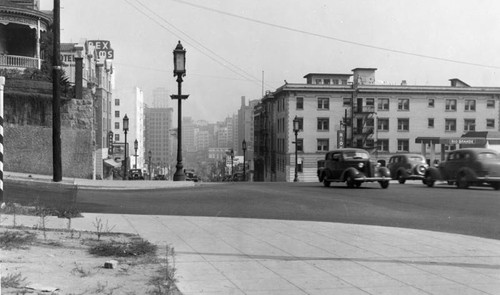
(361, 165)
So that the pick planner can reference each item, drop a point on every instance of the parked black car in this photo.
(467, 167)
(352, 166)
(135, 174)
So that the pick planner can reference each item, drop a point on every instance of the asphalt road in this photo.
(475, 211)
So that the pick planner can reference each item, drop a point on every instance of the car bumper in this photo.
(489, 178)
(370, 179)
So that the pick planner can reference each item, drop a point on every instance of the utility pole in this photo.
(56, 96)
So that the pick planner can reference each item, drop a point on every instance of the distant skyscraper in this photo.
(159, 139)
(161, 97)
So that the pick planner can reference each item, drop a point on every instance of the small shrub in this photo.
(101, 228)
(13, 281)
(16, 239)
(78, 270)
(137, 247)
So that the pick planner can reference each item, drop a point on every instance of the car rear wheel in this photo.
(384, 184)
(495, 185)
(462, 181)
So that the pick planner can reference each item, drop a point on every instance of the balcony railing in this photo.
(16, 61)
(358, 109)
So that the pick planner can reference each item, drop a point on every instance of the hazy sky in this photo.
(230, 43)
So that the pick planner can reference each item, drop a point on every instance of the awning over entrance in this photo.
(427, 140)
(112, 163)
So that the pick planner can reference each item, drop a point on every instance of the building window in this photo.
(470, 105)
(490, 103)
(403, 145)
(451, 105)
(490, 123)
(323, 103)
(323, 124)
(323, 145)
(370, 104)
(403, 104)
(299, 165)
(430, 122)
(430, 102)
(450, 125)
(383, 145)
(300, 145)
(347, 102)
(450, 147)
(383, 124)
(301, 123)
(403, 124)
(117, 102)
(383, 104)
(469, 125)
(326, 81)
(300, 103)
(117, 137)
(117, 114)
(318, 81)
(117, 125)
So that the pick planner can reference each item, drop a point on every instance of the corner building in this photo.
(351, 110)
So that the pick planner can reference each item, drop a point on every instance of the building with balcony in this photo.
(22, 27)
(340, 110)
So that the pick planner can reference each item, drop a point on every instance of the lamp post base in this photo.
(179, 173)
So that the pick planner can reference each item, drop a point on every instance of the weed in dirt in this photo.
(137, 247)
(16, 239)
(13, 281)
(69, 213)
(164, 280)
(101, 228)
(78, 270)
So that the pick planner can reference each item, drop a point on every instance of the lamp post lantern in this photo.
(125, 130)
(136, 146)
(179, 71)
(149, 165)
(244, 148)
(296, 129)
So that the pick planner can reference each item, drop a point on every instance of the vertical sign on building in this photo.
(340, 139)
(110, 142)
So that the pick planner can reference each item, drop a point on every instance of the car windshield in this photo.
(356, 155)
(488, 156)
(419, 159)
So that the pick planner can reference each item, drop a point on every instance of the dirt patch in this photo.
(60, 260)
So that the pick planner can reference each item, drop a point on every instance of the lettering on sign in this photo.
(102, 49)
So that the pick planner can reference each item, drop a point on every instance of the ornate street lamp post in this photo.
(296, 130)
(125, 130)
(149, 165)
(179, 71)
(136, 146)
(232, 162)
(244, 148)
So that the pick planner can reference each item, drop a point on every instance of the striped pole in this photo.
(2, 83)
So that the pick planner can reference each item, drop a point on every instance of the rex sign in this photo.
(102, 49)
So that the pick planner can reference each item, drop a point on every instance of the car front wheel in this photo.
(495, 185)
(462, 181)
(350, 181)
(326, 183)
(384, 184)
(429, 181)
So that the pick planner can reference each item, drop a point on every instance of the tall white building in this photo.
(129, 102)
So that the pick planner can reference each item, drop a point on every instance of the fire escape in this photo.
(364, 124)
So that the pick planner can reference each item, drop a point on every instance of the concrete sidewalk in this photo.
(98, 184)
(255, 257)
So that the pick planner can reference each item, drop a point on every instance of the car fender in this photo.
(349, 171)
(383, 171)
(469, 173)
(434, 173)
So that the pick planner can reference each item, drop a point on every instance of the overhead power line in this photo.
(335, 38)
(182, 35)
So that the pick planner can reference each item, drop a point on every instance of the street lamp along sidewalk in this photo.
(125, 130)
(179, 71)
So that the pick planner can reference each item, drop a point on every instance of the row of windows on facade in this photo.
(403, 103)
(381, 144)
(450, 125)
